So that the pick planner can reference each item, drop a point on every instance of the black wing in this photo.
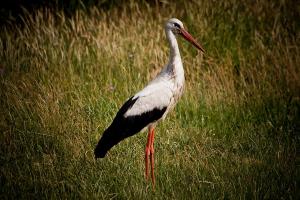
(123, 127)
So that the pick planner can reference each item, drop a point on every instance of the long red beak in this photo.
(190, 38)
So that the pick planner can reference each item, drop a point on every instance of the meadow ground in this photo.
(233, 135)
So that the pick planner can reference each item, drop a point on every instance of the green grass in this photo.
(233, 135)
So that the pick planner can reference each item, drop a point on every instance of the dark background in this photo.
(12, 11)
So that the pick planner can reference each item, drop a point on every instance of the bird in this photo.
(150, 105)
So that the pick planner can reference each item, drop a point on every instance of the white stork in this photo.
(147, 107)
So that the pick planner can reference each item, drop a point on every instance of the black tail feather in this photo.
(100, 150)
(107, 141)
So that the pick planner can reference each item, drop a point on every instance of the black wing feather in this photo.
(123, 127)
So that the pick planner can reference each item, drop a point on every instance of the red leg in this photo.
(147, 153)
(152, 157)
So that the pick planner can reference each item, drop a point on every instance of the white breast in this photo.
(177, 91)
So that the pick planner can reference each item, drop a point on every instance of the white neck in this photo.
(175, 65)
(174, 50)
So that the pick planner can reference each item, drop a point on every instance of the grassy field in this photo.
(233, 135)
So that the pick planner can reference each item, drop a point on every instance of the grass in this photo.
(233, 135)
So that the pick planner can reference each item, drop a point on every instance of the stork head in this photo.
(176, 26)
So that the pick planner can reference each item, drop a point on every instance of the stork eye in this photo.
(176, 25)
